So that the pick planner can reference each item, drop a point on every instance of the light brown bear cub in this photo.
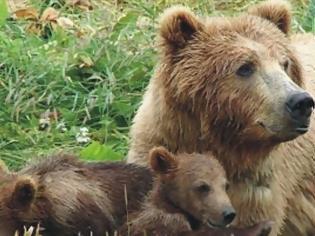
(68, 197)
(188, 196)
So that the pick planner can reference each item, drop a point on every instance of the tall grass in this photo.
(92, 75)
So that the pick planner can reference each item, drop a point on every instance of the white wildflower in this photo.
(44, 123)
(83, 136)
(143, 22)
(62, 127)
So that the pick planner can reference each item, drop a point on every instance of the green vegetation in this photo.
(90, 71)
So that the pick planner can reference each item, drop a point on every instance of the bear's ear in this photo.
(178, 25)
(23, 193)
(162, 161)
(278, 12)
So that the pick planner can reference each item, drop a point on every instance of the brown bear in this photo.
(189, 192)
(237, 86)
(68, 197)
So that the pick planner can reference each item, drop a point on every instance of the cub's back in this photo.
(83, 197)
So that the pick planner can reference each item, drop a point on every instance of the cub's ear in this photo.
(276, 11)
(24, 193)
(178, 25)
(162, 161)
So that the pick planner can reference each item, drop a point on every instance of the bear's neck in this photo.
(188, 134)
(242, 159)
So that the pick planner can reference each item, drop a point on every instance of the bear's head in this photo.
(16, 198)
(195, 184)
(237, 75)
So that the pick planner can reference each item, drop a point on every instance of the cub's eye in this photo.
(203, 188)
(246, 70)
(227, 186)
(285, 65)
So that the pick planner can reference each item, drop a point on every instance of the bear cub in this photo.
(69, 197)
(189, 197)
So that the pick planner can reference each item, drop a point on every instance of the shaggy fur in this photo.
(189, 192)
(66, 196)
(196, 102)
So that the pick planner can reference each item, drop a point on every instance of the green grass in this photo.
(49, 72)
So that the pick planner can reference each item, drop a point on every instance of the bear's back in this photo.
(83, 197)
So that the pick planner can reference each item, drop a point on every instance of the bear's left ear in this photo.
(162, 161)
(23, 193)
(276, 11)
(178, 25)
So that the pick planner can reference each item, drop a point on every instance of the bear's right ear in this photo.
(24, 193)
(162, 161)
(278, 12)
(178, 25)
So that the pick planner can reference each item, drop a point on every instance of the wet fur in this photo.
(266, 174)
(163, 214)
(72, 196)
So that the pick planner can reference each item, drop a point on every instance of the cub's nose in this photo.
(300, 107)
(228, 215)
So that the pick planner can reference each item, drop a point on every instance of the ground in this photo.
(74, 81)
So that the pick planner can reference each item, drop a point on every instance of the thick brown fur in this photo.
(66, 196)
(196, 102)
(189, 191)
(277, 12)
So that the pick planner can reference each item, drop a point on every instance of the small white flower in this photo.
(61, 126)
(83, 136)
(143, 22)
(84, 131)
(44, 123)
(81, 139)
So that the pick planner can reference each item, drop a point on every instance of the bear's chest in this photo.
(258, 194)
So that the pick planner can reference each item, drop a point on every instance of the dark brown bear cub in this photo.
(188, 198)
(68, 197)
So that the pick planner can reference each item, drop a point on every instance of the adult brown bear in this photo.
(237, 87)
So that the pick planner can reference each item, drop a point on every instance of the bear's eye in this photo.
(227, 186)
(246, 70)
(285, 65)
(203, 188)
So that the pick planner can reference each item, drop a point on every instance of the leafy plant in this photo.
(97, 151)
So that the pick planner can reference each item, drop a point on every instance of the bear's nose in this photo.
(228, 215)
(300, 107)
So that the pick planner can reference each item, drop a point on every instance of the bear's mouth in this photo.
(215, 226)
(302, 130)
(296, 129)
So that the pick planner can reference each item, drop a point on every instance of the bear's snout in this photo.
(228, 215)
(299, 107)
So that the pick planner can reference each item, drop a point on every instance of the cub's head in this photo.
(17, 196)
(195, 184)
(239, 75)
